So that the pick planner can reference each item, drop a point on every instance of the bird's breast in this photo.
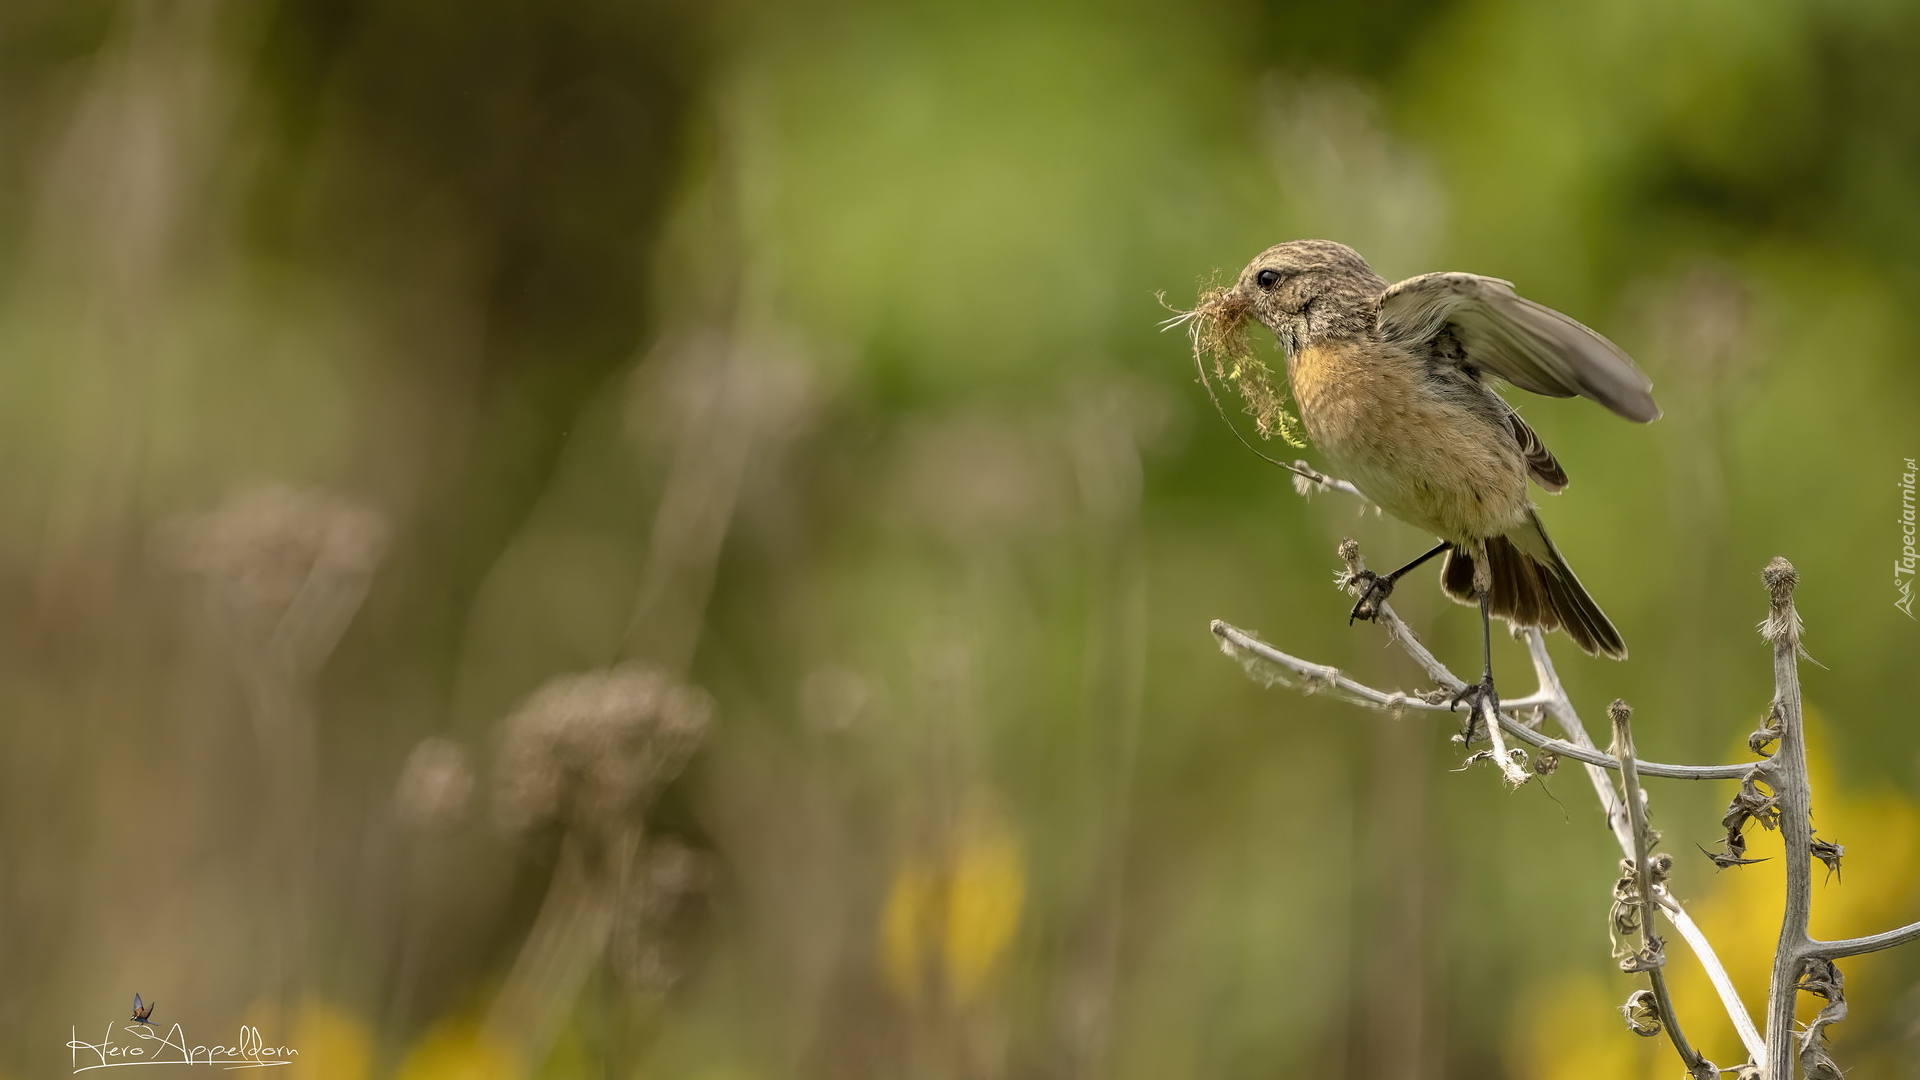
(1426, 452)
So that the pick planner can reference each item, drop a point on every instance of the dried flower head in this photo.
(282, 562)
(1217, 327)
(588, 751)
(1643, 1014)
(435, 787)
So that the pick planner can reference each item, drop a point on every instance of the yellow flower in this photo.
(330, 1041)
(955, 914)
(458, 1050)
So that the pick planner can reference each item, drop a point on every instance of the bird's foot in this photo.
(1374, 590)
(1477, 695)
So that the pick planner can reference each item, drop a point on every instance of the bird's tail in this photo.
(1534, 586)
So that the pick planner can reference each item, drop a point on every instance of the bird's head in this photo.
(1304, 291)
(1308, 290)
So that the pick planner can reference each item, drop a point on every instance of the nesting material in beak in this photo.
(1217, 326)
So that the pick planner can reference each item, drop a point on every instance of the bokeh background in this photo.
(659, 539)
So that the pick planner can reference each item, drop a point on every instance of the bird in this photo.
(141, 1013)
(1396, 386)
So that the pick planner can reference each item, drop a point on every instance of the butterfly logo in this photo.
(141, 1012)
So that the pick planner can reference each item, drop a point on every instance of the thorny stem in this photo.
(1786, 775)
(1562, 711)
(1643, 881)
(1577, 747)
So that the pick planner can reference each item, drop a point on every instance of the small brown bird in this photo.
(1394, 385)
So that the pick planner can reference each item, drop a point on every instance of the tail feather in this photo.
(1532, 585)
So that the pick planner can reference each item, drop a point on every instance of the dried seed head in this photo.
(1783, 622)
(1781, 578)
(282, 564)
(588, 751)
(435, 787)
(1619, 711)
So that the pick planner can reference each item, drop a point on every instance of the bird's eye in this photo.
(1267, 279)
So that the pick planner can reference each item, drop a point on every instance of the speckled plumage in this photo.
(1393, 384)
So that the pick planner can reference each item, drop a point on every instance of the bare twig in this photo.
(1834, 950)
(1313, 677)
(1308, 480)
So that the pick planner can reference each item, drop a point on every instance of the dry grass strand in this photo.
(1217, 327)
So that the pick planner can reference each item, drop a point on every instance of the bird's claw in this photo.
(1476, 695)
(1375, 593)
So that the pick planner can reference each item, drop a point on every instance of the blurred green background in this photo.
(784, 379)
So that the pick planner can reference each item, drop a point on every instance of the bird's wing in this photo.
(136, 1003)
(1541, 463)
(1503, 333)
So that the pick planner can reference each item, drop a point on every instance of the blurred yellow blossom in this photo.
(458, 1050)
(331, 1042)
(954, 913)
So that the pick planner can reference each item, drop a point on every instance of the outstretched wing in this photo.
(136, 1003)
(1503, 333)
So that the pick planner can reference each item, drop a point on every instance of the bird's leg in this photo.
(1481, 695)
(1379, 587)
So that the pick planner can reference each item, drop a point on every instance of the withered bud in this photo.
(1820, 977)
(1349, 551)
(590, 750)
(1829, 853)
(1659, 865)
(1735, 853)
(1642, 1013)
(1767, 733)
(435, 787)
(1545, 763)
(1646, 958)
(1619, 711)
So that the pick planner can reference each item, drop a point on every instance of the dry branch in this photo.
(1801, 962)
